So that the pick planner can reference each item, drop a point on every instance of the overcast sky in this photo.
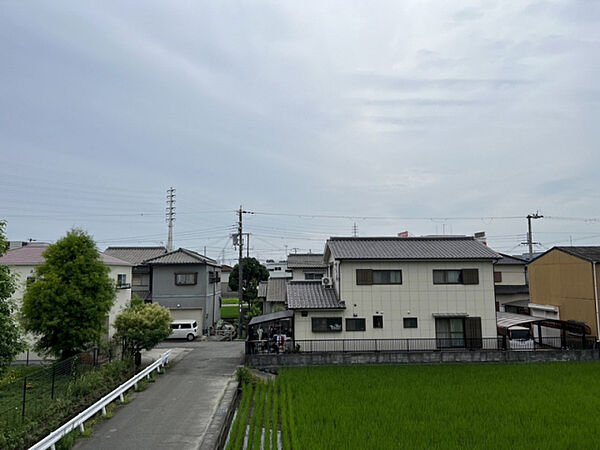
(402, 110)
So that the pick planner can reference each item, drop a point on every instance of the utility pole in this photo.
(240, 239)
(170, 216)
(529, 234)
(240, 273)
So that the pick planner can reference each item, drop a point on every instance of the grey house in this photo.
(189, 285)
(184, 281)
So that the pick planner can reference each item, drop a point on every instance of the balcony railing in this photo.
(124, 286)
(420, 345)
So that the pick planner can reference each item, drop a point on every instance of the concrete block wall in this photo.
(448, 357)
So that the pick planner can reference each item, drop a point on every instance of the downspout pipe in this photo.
(596, 302)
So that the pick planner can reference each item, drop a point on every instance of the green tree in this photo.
(253, 272)
(67, 304)
(11, 342)
(142, 325)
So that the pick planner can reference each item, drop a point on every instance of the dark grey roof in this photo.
(262, 289)
(590, 253)
(510, 260)
(135, 255)
(312, 295)
(182, 256)
(508, 289)
(456, 248)
(306, 261)
(276, 290)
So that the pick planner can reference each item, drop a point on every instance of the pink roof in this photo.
(31, 255)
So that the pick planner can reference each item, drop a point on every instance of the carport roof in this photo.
(271, 317)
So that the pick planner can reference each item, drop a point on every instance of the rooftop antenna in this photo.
(355, 230)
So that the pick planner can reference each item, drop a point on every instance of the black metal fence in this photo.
(422, 345)
(26, 396)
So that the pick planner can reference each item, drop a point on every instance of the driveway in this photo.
(174, 412)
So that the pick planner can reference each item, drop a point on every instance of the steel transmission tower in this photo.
(170, 216)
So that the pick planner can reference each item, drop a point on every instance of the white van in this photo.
(520, 338)
(184, 329)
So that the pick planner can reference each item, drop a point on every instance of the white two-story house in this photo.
(391, 288)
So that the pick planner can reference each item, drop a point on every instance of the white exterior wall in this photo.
(417, 296)
(121, 300)
(511, 274)
(298, 274)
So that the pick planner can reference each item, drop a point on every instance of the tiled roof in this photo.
(135, 255)
(182, 256)
(31, 255)
(276, 290)
(262, 289)
(226, 268)
(510, 260)
(591, 253)
(455, 248)
(306, 261)
(312, 295)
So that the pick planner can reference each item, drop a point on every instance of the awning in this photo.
(271, 317)
(460, 314)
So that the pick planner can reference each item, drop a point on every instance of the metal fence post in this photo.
(24, 398)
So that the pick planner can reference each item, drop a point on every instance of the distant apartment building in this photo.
(278, 269)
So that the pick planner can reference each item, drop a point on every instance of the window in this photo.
(356, 325)
(369, 277)
(497, 277)
(183, 279)
(450, 332)
(304, 313)
(313, 276)
(121, 279)
(186, 325)
(136, 280)
(387, 277)
(377, 322)
(326, 324)
(175, 326)
(410, 322)
(464, 276)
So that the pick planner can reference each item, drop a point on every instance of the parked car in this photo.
(519, 338)
(184, 329)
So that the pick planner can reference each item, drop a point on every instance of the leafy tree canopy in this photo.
(142, 325)
(11, 343)
(67, 304)
(253, 272)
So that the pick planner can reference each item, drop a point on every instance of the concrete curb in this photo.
(216, 434)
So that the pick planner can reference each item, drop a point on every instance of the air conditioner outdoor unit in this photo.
(326, 281)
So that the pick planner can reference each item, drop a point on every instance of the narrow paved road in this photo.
(174, 412)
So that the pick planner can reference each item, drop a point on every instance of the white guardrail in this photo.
(78, 421)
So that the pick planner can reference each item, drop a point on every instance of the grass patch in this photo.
(527, 406)
(230, 301)
(229, 312)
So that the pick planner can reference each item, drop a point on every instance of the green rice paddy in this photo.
(520, 406)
